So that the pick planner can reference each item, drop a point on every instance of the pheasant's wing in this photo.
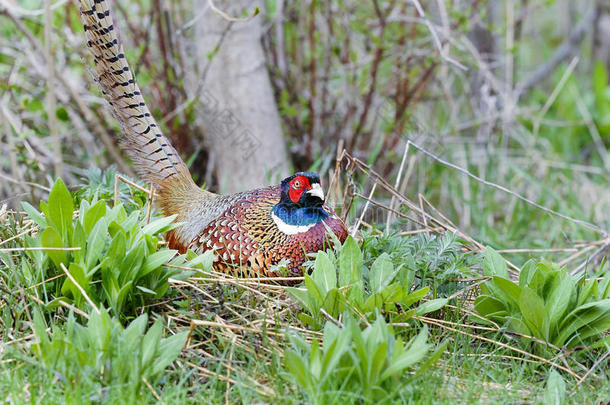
(244, 235)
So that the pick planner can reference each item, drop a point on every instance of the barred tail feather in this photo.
(152, 154)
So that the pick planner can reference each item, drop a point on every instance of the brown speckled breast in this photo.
(248, 243)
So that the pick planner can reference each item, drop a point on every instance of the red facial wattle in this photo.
(296, 188)
(295, 195)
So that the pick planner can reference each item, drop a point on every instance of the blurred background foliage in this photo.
(516, 92)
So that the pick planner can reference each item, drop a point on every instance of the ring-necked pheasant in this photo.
(251, 231)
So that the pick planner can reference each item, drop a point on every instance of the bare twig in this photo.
(434, 34)
(233, 19)
(80, 288)
(506, 190)
(366, 206)
(396, 184)
(593, 367)
(598, 252)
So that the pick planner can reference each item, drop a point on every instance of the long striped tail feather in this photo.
(152, 154)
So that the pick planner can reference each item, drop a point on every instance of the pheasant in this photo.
(251, 232)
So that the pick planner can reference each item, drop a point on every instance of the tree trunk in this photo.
(240, 117)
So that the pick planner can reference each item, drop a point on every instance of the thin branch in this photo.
(514, 194)
(233, 19)
(593, 256)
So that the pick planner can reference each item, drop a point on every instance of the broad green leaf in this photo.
(360, 353)
(78, 274)
(93, 215)
(330, 333)
(415, 296)
(487, 305)
(532, 309)
(595, 328)
(203, 261)
(431, 306)
(44, 208)
(121, 296)
(160, 225)
(382, 273)
(494, 264)
(136, 328)
(61, 209)
(34, 214)
(116, 251)
(580, 317)
(588, 290)
(314, 291)
(300, 295)
(392, 293)
(335, 349)
(146, 290)
(517, 324)
(297, 367)
(155, 260)
(129, 225)
(324, 273)
(79, 239)
(308, 320)
(315, 361)
(372, 302)
(169, 350)
(50, 238)
(377, 363)
(96, 242)
(55, 303)
(150, 342)
(356, 294)
(40, 328)
(526, 272)
(415, 351)
(334, 302)
(131, 264)
(539, 278)
(99, 330)
(110, 285)
(559, 298)
(350, 263)
(512, 290)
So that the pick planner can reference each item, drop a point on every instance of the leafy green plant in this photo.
(106, 254)
(103, 351)
(547, 302)
(99, 184)
(342, 282)
(354, 364)
(435, 261)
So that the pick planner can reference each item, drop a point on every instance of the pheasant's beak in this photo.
(316, 191)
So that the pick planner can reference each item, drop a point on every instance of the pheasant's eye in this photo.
(297, 184)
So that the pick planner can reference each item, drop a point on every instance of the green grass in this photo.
(245, 339)
(239, 331)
